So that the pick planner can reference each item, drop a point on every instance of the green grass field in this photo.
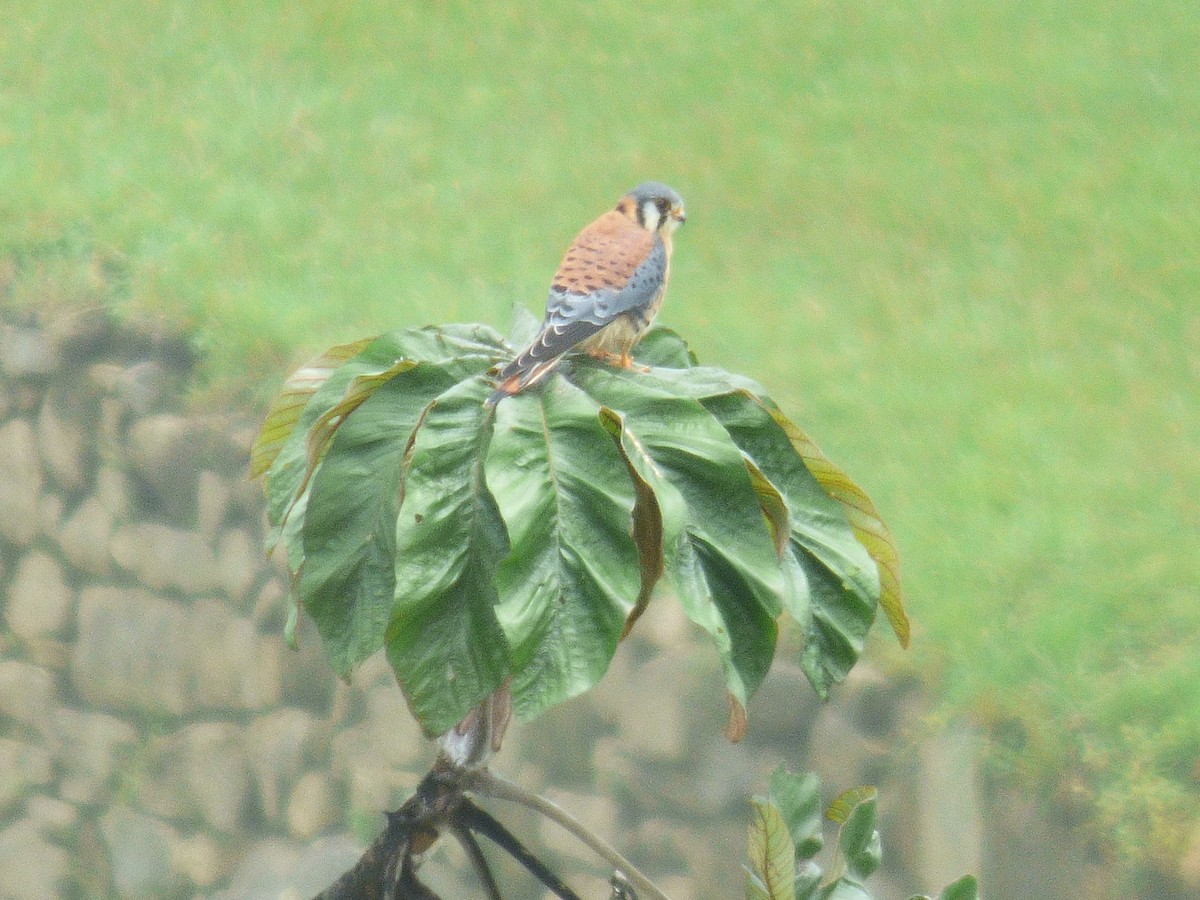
(957, 241)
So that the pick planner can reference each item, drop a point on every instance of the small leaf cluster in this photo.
(517, 543)
(786, 836)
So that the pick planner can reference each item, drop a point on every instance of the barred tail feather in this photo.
(518, 375)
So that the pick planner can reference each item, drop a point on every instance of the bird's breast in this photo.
(617, 337)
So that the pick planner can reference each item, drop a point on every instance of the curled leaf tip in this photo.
(843, 804)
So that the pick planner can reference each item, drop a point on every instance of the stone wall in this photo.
(157, 738)
(153, 737)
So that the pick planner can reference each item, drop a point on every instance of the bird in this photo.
(608, 288)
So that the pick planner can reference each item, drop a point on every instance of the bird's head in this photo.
(654, 206)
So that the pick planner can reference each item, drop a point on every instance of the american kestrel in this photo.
(607, 290)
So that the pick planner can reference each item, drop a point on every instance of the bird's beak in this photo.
(678, 215)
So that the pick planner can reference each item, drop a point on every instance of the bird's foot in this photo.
(620, 360)
(626, 362)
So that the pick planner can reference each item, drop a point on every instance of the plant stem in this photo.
(489, 784)
(475, 818)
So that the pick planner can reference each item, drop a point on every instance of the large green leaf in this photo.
(816, 520)
(664, 348)
(333, 395)
(831, 582)
(357, 392)
(444, 641)
(572, 576)
(798, 798)
(771, 874)
(288, 470)
(396, 493)
(841, 577)
(285, 410)
(858, 841)
(869, 528)
(347, 584)
(720, 556)
(839, 547)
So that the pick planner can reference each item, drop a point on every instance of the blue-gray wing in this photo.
(613, 268)
(572, 317)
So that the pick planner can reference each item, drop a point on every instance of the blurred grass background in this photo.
(956, 241)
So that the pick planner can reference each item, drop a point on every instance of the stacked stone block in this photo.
(155, 733)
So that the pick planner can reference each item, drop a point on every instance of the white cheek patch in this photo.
(650, 215)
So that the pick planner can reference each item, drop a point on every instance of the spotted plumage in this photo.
(607, 290)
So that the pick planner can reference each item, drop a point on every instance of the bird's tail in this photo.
(521, 373)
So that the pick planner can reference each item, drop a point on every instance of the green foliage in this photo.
(955, 236)
(771, 874)
(520, 542)
(786, 836)
(566, 497)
